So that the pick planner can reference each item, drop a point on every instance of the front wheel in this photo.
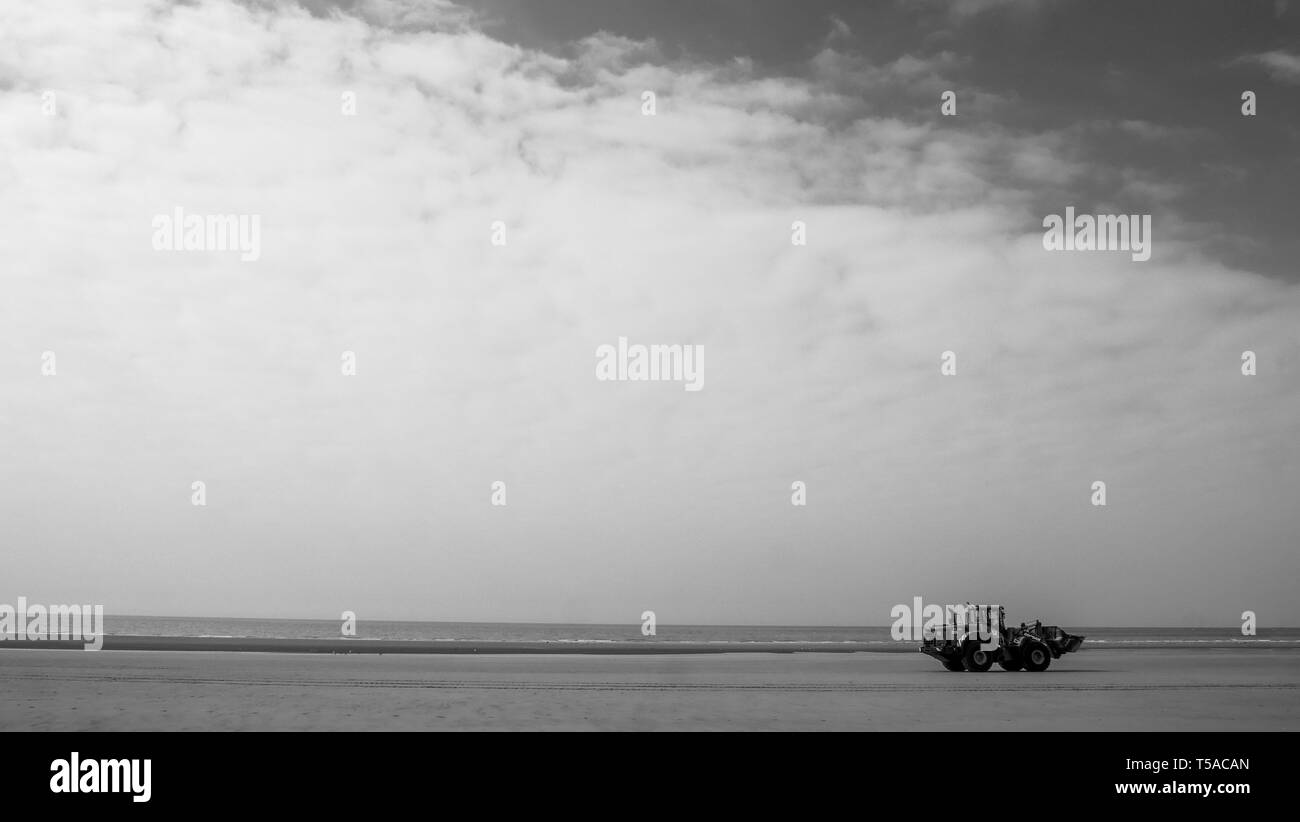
(977, 660)
(1036, 657)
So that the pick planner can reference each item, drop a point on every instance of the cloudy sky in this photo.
(475, 363)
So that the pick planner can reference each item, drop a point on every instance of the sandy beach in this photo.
(1096, 690)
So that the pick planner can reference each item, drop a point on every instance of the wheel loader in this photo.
(973, 638)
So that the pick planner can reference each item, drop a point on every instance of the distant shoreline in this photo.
(602, 647)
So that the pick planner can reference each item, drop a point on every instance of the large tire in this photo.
(1011, 665)
(977, 660)
(1036, 656)
(953, 664)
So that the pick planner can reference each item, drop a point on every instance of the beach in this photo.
(1160, 689)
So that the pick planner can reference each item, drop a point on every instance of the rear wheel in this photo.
(953, 664)
(977, 659)
(1010, 664)
(1036, 656)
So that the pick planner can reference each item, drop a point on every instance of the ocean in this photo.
(543, 632)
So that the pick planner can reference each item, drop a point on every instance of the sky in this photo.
(475, 362)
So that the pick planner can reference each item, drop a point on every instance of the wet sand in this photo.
(1157, 690)
(336, 645)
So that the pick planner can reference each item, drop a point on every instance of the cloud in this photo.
(417, 15)
(1282, 66)
(475, 362)
(839, 30)
(1155, 132)
(965, 10)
